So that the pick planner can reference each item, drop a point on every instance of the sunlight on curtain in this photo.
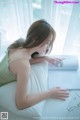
(17, 15)
(15, 18)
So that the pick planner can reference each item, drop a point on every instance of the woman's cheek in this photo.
(42, 49)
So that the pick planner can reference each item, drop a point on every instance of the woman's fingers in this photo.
(64, 95)
(61, 98)
(56, 61)
(63, 92)
(58, 93)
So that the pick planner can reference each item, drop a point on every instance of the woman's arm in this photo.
(23, 100)
(40, 59)
(54, 93)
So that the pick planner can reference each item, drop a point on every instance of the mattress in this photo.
(57, 109)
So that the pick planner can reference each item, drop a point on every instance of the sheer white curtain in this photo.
(15, 18)
(17, 15)
(66, 21)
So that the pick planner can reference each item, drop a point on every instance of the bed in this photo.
(49, 109)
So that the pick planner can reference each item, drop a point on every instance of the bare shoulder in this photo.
(18, 61)
(21, 65)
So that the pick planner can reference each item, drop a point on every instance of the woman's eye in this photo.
(46, 43)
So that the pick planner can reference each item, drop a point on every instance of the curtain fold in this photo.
(15, 19)
(72, 34)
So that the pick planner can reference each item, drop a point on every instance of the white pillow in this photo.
(37, 83)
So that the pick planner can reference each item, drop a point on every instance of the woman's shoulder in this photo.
(17, 54)
(18, 60)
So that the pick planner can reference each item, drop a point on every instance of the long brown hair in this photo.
(37, 34)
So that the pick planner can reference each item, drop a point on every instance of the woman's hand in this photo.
(57, 93)
(54, 61)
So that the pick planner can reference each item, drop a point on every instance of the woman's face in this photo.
(44, 46)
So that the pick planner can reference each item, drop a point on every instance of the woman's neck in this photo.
(30, 51)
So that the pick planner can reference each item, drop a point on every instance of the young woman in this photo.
(17, 63)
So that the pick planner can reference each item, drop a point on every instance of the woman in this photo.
(18, 60)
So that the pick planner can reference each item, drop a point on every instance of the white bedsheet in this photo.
(57, 109)
(63, 110)
(64, 79)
